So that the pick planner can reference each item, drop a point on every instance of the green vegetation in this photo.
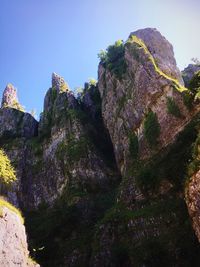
(57, 231)
(7, 172)
(151, 129)
(194, 165)
(188, 99)
(194, 85)
(113, 58)
(73, 149)
(133, 145)
(171, 163)
(153, 216)
(172, 107)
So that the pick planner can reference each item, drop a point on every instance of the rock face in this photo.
(59, 83)
(13, 243)
(189, 72)
(14, 122)
(161, 50)
(102, 181)
(144, 87)
(10, 98)
(62, 153)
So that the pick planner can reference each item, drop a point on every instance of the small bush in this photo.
(194, 84)
(151, 129)
(133, 145)
(188, 99)
(147, 179)
(113, 58)
(172, 107)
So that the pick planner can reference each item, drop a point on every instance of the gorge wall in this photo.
(101, 177)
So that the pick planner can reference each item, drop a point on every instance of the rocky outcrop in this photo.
(10, 98)
(14, 122)
(13, 241)
(144, 88)
(189, 72)
(63, 153)
(156, 44)
(69, 185)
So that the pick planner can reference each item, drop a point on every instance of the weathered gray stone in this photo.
(59, 83)
(10, 98)
(13, 241)
(161, 50)
(15, 123)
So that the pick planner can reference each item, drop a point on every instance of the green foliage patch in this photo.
(74, 149)
(151, 129)
(172, 107)
(113, 58)
(133, 145)
(194, 85)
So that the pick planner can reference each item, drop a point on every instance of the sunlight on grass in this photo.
(4, 203)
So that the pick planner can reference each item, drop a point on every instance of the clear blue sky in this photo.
(38, 37)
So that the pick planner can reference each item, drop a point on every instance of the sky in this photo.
(38, 37)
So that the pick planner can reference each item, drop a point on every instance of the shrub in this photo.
(188, 99)
(194, 85)
(151, 129)
(7, 173)
(133, 145)
(172, 107)
(147, 179)
(113, 58)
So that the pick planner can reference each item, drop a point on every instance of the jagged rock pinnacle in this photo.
(161, 50)
(10, 98)
(59, 83)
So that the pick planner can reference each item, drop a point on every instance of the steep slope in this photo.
(101, 177)
(145, 110)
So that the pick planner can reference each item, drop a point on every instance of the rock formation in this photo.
(101, 177)
(144, 87)
(13, 241)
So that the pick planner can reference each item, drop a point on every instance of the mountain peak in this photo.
(59, 83)
(10, 98)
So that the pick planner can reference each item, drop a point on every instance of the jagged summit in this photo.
(162, 51)
(10, 98)
(59, 83)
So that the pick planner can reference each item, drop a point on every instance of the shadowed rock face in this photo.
(14, 122)
(193, 202)
(13, 241)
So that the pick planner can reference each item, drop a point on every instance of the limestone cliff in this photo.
(13, 240)
(101, 177)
